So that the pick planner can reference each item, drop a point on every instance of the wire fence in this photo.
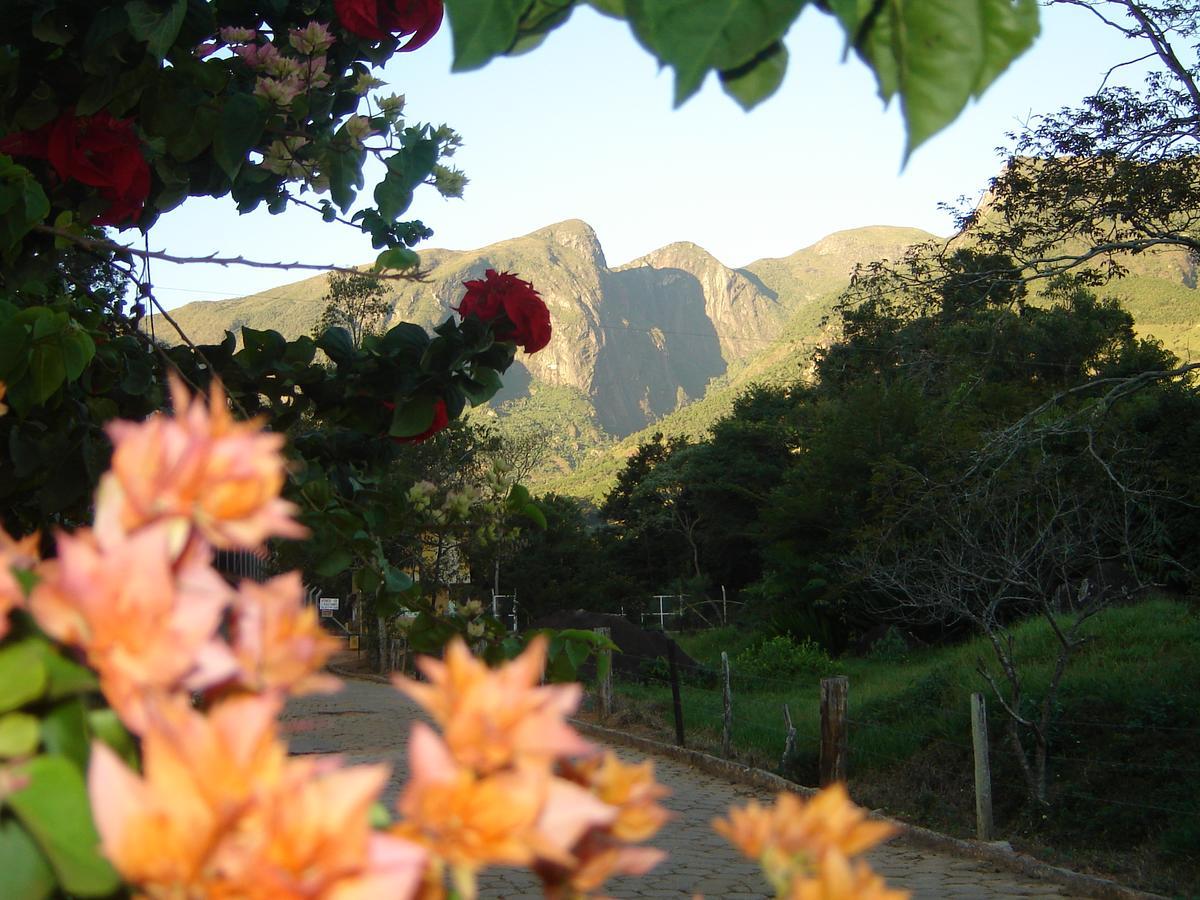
(1142, 787)
(1130, 785)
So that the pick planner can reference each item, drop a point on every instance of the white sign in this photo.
(330, 603)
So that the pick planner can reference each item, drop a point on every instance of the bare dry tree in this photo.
(1036, 525)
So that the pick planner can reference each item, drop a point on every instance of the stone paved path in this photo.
(369, 721)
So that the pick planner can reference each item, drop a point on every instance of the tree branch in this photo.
(113, 246)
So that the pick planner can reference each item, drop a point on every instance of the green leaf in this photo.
(379, 816)
(241, 124)
(262, 349)
(405, 336)
(54, 808)
(390, 603)
(344, 170)
(65, 732)
(366, 580)
(1009, 30)
(334, 563)
(27, 874)
(397, 258)
(318, 492)
(78, 350)
(428, 634)
(47, 371)
(18, 734)
(64, 678)
(941, 49)
(23, 203)
(695, 37)
(561, 669)
(542, 17)
(156, 26)
(587, 636)
(14, 355)
(300, 352)
(483, 29)
(138, 377)
(397, 580)
(22, 675)
(936, 54)
(412, 417)
(49, 29)
(518, 496)
(106, 726)
(758, 79)
(483, 385)
(392, 197)
(578, 652)
(337, 344)
(47, 322)
(533, 513)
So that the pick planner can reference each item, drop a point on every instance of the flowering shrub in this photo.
(805, 848)
(445, 525)
(522, 314)
(440, 420)
(209, 804)
(97, 150)
(378, 20)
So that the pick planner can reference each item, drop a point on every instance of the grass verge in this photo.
(1124, 769)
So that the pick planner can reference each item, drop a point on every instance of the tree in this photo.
(1058, 528)
(357, 302)
(1118, 174)
(567, 565)
(920, 379)
(642, 507)
(1038, 482)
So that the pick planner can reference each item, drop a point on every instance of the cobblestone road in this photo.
(369, 721)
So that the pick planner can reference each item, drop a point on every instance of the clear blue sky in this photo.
(583, 127)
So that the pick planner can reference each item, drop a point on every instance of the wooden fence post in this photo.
(727, 702)
(381, 642)
(604, 675)
(983, 770)
(676, 703)
(789, 743)
(834, 737)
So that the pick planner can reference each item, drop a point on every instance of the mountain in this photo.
(665, 342)
(638, 341)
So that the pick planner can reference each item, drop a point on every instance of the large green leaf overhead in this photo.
(935, 55)
(695, 37)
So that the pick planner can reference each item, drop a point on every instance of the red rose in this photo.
(506, 294)
(98, 150)
(440, 420)
(378, 20)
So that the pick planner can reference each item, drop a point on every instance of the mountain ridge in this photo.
(639, 340)
(636, 345)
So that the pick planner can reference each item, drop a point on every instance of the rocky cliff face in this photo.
(639, 341)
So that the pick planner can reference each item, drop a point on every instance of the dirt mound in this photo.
(639, 647)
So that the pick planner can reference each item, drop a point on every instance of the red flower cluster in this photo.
(441, 419)
(504, 294)
(378, 20)
(97, 150)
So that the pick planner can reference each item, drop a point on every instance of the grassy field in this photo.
(1124, 773)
